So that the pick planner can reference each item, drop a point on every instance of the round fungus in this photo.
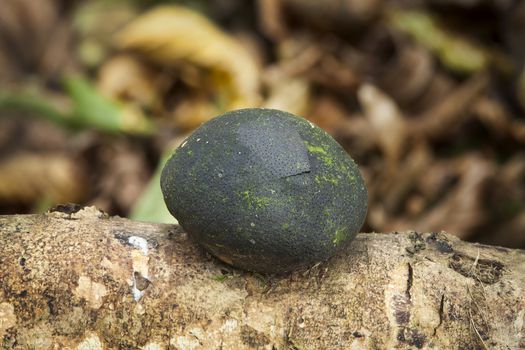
(265, 191)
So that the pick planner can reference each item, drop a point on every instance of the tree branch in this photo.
(86, 281)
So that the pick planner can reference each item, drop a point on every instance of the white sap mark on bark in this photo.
(92, 292)
(139, 259)
(7, 317)
(229, 326)
(139, 242)
(90, 343)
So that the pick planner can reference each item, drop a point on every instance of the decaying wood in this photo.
(86, 281)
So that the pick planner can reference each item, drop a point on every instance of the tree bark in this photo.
(83, 280)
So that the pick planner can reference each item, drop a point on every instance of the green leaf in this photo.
(34, 104)
(91, 109)
(454, 51)
(150, 206)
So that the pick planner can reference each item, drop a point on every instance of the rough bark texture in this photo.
(85, 281)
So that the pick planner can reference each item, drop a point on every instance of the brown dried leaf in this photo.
(271, 18)
(125, 78)
(174, 35)
(122, 174)
(34, 36)
(30, 134)
(387, 120)
(396, 186)
(297, 58)
(462, 210)
(341, 16)
(192, 112)
(518, 130)
(498, 119)
(409, 74)
(331, 64)
(330, 115)
(357, 134)
(29, 177)
(447, 114)
(492, 114)
(391, 189)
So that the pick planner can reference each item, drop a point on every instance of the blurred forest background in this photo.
(427, 96)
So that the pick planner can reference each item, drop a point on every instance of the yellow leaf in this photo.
(174, 35)
(289, 94)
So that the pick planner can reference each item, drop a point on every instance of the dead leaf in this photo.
(358, 135)
(497, 118)
(518, 130)
(271, 18)
(125, 78)
(387, 120)
(297, 57)
(290, 95)
(492, 113)
(329, 114)
(175, 35)
(192, 111)
(408, 75)
(35, 37)
(446, 115)
(29, 177)
(340, 16)
(462, 210)
(395, 186)
(122, 172)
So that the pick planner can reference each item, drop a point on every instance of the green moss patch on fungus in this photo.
(320, 153)
(314, 149)
(254, 201)
(341, 235)
(327, 178)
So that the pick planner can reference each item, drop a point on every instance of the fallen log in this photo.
(83, 280)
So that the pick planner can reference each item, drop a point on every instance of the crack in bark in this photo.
(410, 279)
(441, 311)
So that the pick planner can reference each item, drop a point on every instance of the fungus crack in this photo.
(297, 174)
